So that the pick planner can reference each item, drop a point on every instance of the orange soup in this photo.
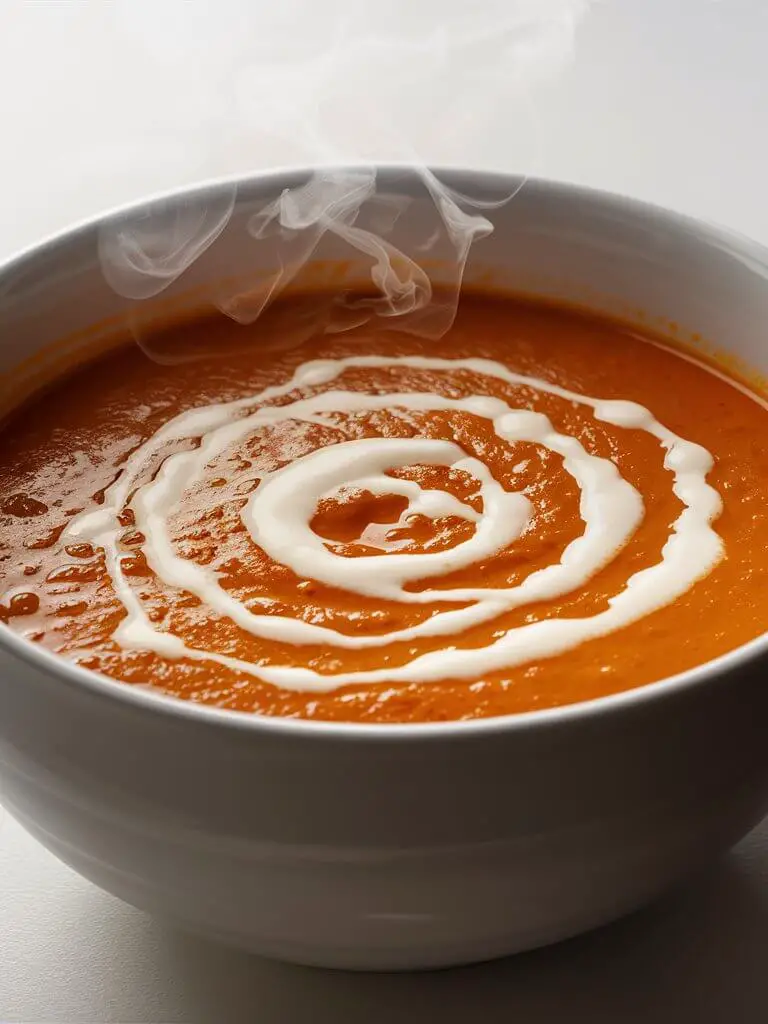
(539, 509)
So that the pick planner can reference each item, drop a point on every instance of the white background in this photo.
(667, 100)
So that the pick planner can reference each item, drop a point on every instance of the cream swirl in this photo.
(279, 512)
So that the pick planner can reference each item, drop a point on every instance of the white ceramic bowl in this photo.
(401, 846)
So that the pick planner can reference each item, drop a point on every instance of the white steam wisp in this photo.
(340, 87)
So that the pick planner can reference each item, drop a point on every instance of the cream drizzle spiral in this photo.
(279, 512)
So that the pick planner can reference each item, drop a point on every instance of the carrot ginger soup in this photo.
(541, 508)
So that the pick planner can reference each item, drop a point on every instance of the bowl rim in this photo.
(155, 702)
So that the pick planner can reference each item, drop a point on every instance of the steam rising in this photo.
(337, 86)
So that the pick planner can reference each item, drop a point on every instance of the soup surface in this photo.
(538, 509)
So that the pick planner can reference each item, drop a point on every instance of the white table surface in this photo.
(667, 100)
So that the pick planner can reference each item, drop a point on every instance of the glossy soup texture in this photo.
(241, 592)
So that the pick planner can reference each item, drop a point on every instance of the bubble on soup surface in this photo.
(22, 506)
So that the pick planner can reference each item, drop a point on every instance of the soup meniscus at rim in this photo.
(541, 508)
